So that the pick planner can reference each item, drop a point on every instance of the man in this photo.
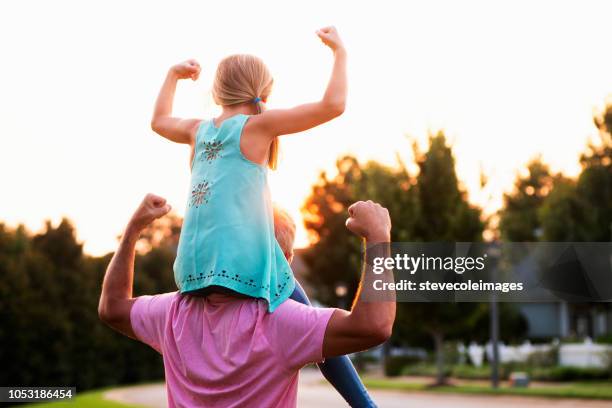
(228, 351)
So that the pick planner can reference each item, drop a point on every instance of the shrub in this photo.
(605, 339)
(428, 370)
(547, 358)
(569, 374)
(394, 365)
(471, 372)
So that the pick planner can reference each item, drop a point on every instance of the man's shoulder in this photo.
(148, 318)
(289, 307)
(291, 304)
(298, 313)
(150, 303)
(297, 331)
(160, 297)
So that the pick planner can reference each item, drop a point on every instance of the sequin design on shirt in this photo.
(200, 194)
(212, 150)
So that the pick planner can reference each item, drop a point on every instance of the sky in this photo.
(506, 80)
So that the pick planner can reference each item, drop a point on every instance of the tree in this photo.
(444, 215)
(556, 208)
(428, 207)
(59, 244)
(563, 215)
(519, 220)
(594, 185)
(581, 209)
(333, 256)
(50, 332)
(162, 233)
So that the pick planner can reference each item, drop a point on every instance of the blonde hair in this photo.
(284, 229)
(244, 78)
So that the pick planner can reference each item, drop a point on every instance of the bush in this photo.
(471, 372)
(536, 373)
(558, 374)
(607, 356)
(394, 365)
(605, 339)
(569, 374)
(451, 353)
(483, 373)
(548, 358)
(428, 370)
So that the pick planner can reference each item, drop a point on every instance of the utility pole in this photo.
(494, 253)
(494, 343)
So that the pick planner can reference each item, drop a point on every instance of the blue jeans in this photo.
(339, 371)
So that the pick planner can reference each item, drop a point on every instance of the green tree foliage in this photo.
(444, 215)
(50, 332)
(564, 216)
(519, 220)
(594, 185)
(555, 208)
(428, 207)
(334, 257)
(550, 207)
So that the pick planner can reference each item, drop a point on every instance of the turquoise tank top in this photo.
(227, 238)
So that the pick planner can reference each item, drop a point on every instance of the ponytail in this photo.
(241, 79)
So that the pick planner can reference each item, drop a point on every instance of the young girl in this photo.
(227, 241)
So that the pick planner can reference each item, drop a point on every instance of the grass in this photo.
(586, 390)
(91, 399)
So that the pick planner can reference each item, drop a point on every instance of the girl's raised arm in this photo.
(163, 123)
(276, 122)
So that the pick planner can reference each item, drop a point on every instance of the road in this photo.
(314, 394)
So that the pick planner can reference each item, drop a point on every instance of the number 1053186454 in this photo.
(35, 394)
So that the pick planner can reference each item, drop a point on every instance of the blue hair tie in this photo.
(257, 100)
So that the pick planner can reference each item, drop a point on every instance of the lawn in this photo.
(93, 399)
(588, 390)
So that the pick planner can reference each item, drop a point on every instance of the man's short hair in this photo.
(284, 229)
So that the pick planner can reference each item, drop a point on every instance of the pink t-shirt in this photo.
(222, 351)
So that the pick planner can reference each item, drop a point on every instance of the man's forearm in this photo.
(119, 278)
(371, 307)
(116, 296)
(370, 321)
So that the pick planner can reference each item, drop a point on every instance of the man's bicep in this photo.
(118, 317)
(336, 334)
(343, 336)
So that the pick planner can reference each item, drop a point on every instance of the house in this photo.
(562, 320)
